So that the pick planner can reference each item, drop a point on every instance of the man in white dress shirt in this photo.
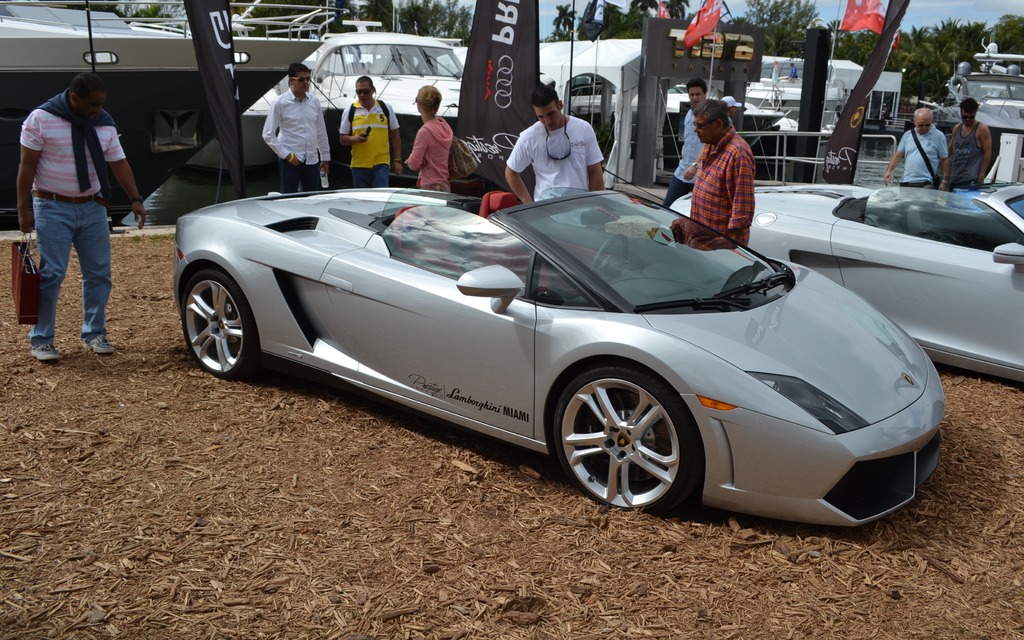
(296, 132)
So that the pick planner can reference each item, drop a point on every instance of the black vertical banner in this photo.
(502, 70)
(210, 22)
(844, 144)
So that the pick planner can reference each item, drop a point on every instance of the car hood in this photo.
(820, 333)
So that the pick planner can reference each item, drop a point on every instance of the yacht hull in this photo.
(155, 95)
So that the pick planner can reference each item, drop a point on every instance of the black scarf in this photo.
(83, 131)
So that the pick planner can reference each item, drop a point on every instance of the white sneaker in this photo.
(99, 345)
(45, 353)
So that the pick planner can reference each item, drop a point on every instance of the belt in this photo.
(917, 185)
(46, 195)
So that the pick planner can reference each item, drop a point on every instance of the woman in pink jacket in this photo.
(433, 143)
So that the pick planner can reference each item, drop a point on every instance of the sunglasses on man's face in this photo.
(363, 92)
(300, 79)
(967, 116)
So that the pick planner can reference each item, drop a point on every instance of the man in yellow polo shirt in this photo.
(367, 125)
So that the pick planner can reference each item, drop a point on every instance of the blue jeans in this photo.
(307, 175)
(676, 189)
(366, 178)
(59, 225)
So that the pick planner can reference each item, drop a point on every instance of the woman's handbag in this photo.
(461, 160)
(25, 282)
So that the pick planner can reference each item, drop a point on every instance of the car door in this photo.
(930, 270)
(415, 335)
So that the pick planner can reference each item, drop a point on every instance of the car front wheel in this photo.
(219, 326)
(627, 439)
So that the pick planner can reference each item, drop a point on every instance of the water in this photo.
(188, 190)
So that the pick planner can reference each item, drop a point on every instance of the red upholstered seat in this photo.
(495, 200)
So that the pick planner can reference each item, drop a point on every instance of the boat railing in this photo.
(295, 22)
(781, 155)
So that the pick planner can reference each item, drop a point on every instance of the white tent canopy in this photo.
(618, 61)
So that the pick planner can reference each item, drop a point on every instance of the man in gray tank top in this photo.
(970, 148)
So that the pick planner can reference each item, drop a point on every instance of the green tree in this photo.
(677, 8)
(435, 18)
(564, 23)
(785, 23)
(1009, 33)
(382, 11)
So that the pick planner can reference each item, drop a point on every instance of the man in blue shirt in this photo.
(918, 172)
(686, 173)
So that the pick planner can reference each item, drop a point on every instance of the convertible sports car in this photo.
(947, 267)
(653, 361)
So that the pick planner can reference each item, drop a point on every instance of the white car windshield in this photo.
(630, 246)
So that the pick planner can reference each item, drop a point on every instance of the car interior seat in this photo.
(495, 200)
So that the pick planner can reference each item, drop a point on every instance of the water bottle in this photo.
(324, 182)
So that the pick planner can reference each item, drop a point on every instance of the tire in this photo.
(626, 438)
(219, 327)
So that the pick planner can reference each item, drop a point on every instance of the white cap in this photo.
(731, 102)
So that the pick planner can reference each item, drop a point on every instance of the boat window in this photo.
(450, 242)
(951, 218)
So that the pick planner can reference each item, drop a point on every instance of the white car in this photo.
(947, 267)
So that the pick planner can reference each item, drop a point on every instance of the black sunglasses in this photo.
(301, 79)
(363, 92)
(568, 144)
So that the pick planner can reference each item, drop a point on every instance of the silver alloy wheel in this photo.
(620, 443)
(214, 328)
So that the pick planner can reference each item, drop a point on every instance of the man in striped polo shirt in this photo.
(63, 193)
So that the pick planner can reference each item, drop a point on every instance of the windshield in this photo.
(391, 59)
(630, 246)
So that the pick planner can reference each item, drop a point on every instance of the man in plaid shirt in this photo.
(723, 196)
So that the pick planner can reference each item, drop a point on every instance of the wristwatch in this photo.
(138, 199)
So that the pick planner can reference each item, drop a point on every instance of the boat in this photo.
(997, 86)
(399, 65)
(784, 95)
(156, 94)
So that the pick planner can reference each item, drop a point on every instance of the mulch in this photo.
(141, 498)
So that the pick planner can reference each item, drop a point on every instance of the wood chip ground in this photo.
(141, 498)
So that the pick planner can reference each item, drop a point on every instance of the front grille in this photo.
(872, 487)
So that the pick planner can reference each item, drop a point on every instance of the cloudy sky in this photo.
(920, 13)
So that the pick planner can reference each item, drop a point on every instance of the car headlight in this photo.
(825, 409)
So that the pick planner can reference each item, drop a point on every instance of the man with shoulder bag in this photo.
(925, 150)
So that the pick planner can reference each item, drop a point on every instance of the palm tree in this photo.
(564, 22)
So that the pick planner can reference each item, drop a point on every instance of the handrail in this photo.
(305, 22)
(779, 163)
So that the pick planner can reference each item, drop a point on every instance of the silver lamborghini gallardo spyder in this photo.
(654, 362)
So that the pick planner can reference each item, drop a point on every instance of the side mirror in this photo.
(1010, 253)
(493, 281)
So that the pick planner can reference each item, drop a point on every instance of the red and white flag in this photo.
(663, 10)
(705, 22)
(863, 14)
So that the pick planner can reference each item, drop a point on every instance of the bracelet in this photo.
(398, 160)
(291, 156)
(139, 199)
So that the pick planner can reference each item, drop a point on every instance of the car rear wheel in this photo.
(219, 327)
(627, 439)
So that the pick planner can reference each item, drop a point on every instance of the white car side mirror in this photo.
(493, 281)
(1010, 253)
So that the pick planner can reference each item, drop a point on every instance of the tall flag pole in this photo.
(210, 22)
(502, 70)
(844, 144)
